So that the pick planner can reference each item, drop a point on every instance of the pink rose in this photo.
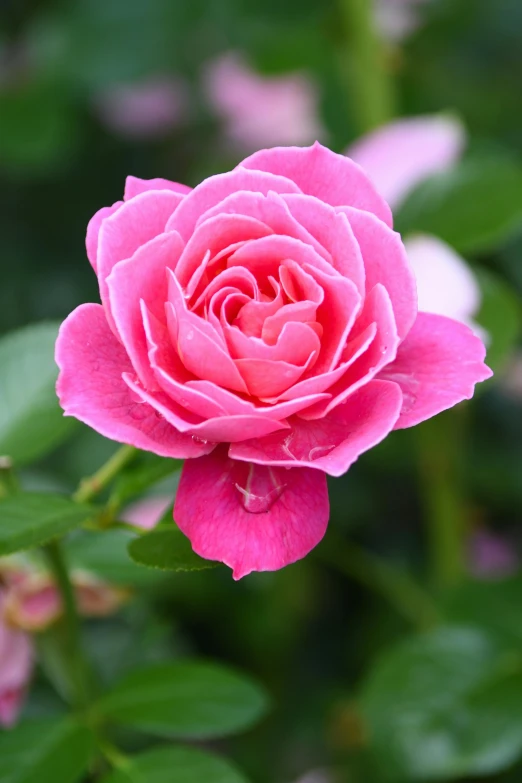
(263, 325)
(16, 664)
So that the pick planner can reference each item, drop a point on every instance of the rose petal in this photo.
(333, 443)
(90, 388)
(333, 231)
(142, 277)
(400, 155)
(270, 210)
(386, 262)
(288, 516)
(319, 172)
(200, 348)
(134, 186)
(214, 189)
(130, 227)
(380, 352)
(214, 235)
(93, 231)
(436, 367)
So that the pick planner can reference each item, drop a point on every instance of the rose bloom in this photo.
(264, 326)
(16, 664)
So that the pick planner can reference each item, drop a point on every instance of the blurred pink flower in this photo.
(16, 663)
(146, 513)
(262, 111)
(491, 556)
(396, 19)
(399, 156)
(32, 602)
(445, 283)
(143, 110)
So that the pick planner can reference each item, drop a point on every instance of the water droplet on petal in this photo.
(139, 411)
(320, 451)
(259, 487)
(197, 439)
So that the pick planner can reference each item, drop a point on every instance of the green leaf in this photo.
(473, 207)
(500, 314)
(168, 550)
(31, 420)
(494, 605)
(105, 554)
(179, 764)
(52, 750)
(32, 519)
(187, 699)
(444, 706)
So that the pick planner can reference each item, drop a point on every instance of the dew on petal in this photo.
(259, 488)
(320, 451)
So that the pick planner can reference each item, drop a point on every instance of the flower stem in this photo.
(363, 64)
(394, 585)
(439, 464)
(79, 673)
(92, 486)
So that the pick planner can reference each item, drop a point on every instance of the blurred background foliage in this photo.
(368, 679)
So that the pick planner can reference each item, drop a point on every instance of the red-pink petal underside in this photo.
(386, 262)
(436, 367)
(142, 278)
(320, 172)
(288, 516)
(333, 443)
(135, 223)
(93, 231)
(214, 189)
(332, 230)
(134, 186)
(91, 388)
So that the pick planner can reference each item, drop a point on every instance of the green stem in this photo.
(363, 63)
(89, 487)
(444, 508)
(79, 673)
(394, 585)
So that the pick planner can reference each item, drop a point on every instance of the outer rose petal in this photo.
(386, 262)
(333, 443)
(90, 387)
(135, 223)
(134, 186)
(288, 513)
(399, 156)
(436, 367)
(320, 172)
(93, 232)
(142, 278)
